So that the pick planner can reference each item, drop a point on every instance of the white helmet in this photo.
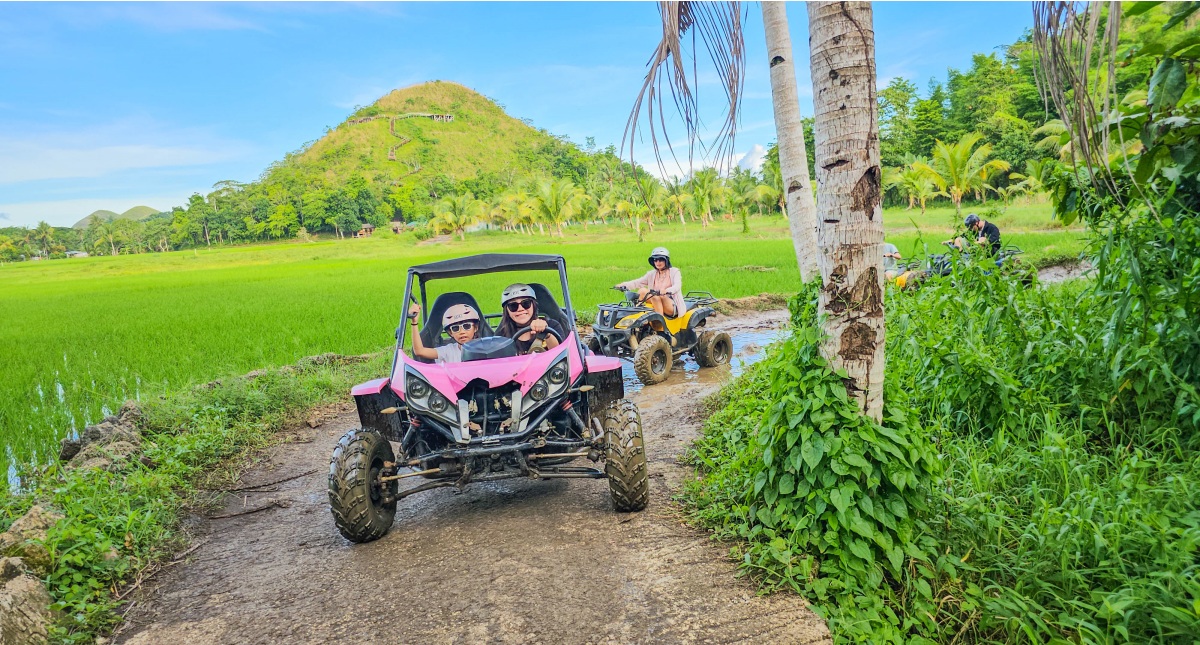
(514, 291)
(459, 313)
(660, 252)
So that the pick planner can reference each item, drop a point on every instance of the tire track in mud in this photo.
(512, 561)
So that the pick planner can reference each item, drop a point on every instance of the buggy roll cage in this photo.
(478, 265)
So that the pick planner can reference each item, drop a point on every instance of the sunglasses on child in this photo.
(454, 328)
(517, 305)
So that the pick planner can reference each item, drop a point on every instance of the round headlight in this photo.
(438, 403)
(539, 391)
(417, 388)
(558, 374)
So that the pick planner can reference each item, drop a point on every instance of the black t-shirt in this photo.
(993, 236)
(524, 345)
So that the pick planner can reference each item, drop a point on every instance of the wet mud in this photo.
(512, 561)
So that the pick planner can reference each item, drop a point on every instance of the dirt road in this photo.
(511, 561)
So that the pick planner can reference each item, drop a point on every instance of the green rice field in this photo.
(79, 336)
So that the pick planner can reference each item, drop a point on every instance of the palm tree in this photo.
(104, 231)
(801, 209)
(554, 203)
(676, 197)
(913, 183)
(704, 185)
(1037, 173)
(43, 235)
(455, 213)
(842, 47)
(961, 168)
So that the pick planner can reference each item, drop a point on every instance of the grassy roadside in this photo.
(120, 525)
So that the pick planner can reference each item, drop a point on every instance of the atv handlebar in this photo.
(526, 329)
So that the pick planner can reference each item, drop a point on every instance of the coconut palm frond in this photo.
(1069, 38)
(719, 28)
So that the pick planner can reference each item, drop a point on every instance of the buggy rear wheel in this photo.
(713, 348)
(652, 360)
(625, 456)
(355, 494)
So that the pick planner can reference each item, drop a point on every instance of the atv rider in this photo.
(519, 307)
(987, 235)
(663, 278)
(460, 322)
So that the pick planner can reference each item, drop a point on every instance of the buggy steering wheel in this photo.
(536, 348)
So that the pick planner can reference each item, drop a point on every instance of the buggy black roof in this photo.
(486, 263)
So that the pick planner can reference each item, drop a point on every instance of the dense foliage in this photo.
(1064, 506)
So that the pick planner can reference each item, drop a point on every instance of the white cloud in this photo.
(753, 160)
(68, 211)
(4, 216)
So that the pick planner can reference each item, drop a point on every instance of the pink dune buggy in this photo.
(495, 415)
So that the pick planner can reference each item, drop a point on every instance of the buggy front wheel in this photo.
(625, 456)
(356, 497)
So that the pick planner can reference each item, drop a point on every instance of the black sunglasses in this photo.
(454, 328)
(516, 305)
(658, 258)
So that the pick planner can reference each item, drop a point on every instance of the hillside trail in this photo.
(510, 561)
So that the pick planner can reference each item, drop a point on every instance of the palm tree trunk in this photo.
(842, 41)
(793, 158)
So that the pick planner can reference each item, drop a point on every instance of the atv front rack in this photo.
(703, 298)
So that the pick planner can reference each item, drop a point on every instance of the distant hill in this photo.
(423, 142)
(137, 213)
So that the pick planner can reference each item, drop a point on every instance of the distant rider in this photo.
(519, 307)
(987, 235)
(891, 257)
(460, 322)
(664, 279)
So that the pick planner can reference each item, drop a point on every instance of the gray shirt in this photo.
(889, 263)
(451, 353)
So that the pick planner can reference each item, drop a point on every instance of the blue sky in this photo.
(113, 105)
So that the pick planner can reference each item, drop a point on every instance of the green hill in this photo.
(424, 141)
(102, 214)
(137, 213)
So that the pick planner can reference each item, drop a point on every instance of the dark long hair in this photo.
(508, 326)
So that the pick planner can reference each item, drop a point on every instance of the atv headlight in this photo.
(558, 373)
(539, 391)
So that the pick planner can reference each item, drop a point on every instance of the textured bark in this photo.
(793, 158)
(850, 229)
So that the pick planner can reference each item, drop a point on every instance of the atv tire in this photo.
(625, 456)
(354, 496)
(713, 348)
(652, 360)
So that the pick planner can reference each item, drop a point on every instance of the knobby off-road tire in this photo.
(713, 348)
(358, 510)
(652, 360)
(625, 456)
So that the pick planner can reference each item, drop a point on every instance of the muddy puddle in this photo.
(750, 335)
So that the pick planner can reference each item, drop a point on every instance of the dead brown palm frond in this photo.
(719, 27)
(1071, 45)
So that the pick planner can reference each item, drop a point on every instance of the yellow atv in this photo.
(652, 341)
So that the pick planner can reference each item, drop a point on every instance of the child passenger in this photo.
(460, 322)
